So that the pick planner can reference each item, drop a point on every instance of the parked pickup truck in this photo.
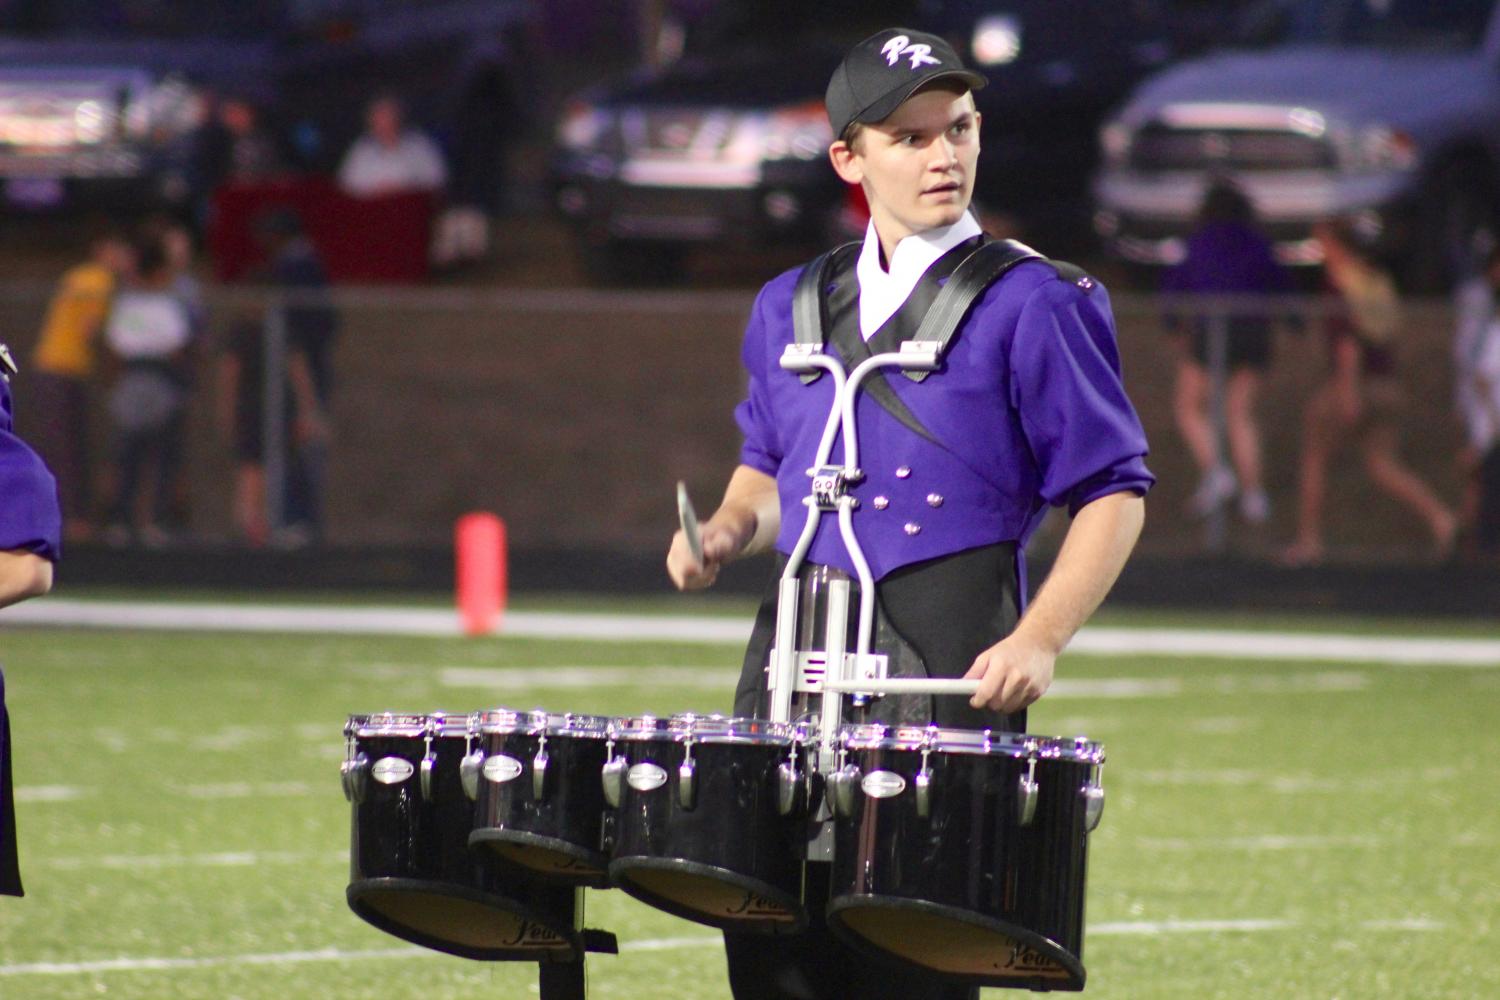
(1385, 112)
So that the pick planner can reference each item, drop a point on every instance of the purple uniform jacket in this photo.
(30, 518)
(1029, 410)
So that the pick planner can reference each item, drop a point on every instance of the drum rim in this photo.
(570, 948)
(413, 724)
(880, 736)
(1071, 963)
(505, 721)
(794, 905)
(707, 729)
(596, 879)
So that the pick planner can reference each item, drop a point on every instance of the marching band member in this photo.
(30, 539)
(1027, 411)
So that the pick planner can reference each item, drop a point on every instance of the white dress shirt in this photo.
(882, 291)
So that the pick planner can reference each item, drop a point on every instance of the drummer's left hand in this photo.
(1012, 674)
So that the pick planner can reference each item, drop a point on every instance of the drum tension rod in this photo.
(923, 780)
(429, 761)
(539, 768)
(687, 780)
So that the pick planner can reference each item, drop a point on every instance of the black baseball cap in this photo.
(882, 71)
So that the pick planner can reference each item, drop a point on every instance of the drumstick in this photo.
(904, 685)
(689, 520)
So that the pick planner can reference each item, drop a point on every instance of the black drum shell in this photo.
(412, 853)
(970, 863)
(734, 836)
(559, 832)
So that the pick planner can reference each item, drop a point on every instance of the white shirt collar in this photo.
(882, 291)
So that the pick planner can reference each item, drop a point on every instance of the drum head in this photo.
(547, 858)
(952, 942)
(460, 921)
(709, 895)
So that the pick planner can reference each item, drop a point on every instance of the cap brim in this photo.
(887, 105)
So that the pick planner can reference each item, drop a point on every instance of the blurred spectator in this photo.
(236, 147)
(232, 146)
(240, 398)
(63, 367)
(488, 119)
(1226, 255)
(389, 157)
(309, 325)
(148, 336)
(1361, 398)
(1476, 362)
(177, 244)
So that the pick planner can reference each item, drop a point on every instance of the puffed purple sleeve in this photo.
(761, 449)
(30, 517)
(1066, 385)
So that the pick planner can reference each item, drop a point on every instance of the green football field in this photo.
(1276, 828)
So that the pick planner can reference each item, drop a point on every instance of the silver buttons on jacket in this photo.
(881, 503)
(903, 472)
(934, 499)
(912, 528)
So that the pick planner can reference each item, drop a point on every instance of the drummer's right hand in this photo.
(719, 546)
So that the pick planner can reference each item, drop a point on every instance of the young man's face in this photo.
(916, 166)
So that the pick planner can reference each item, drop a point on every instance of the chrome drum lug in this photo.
(613, 776)
(468, 773)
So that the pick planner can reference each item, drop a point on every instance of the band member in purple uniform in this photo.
(1027, 411)
(30, 532)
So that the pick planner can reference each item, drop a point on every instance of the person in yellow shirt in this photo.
(62, 368)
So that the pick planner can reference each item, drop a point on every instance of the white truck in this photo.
(1383, 112)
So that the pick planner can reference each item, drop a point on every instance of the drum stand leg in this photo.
(566, 980)
(562, 980)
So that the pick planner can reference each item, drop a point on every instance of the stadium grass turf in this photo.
(1274, 829)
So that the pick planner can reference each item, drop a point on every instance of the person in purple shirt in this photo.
(30, 533)
(1227, 255)
(1027, 412)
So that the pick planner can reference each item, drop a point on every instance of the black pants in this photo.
(10, 872)
(815, 966)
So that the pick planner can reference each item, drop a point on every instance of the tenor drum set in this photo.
(962, 853)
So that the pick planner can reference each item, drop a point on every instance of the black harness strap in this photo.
(809, 323)
(980, 269)
(985, 265)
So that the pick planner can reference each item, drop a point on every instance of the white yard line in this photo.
(1095, 641)
(224, 859)
(1267, 842)
(49, 793)
(1133, 928)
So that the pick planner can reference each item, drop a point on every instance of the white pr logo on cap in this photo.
(901, 46)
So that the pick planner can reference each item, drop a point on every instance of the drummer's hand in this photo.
(720, 545)
(1012, 674)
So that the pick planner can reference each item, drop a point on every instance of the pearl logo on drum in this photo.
(645, 777)
(501, 769)
(883, 784)
(392, 770)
